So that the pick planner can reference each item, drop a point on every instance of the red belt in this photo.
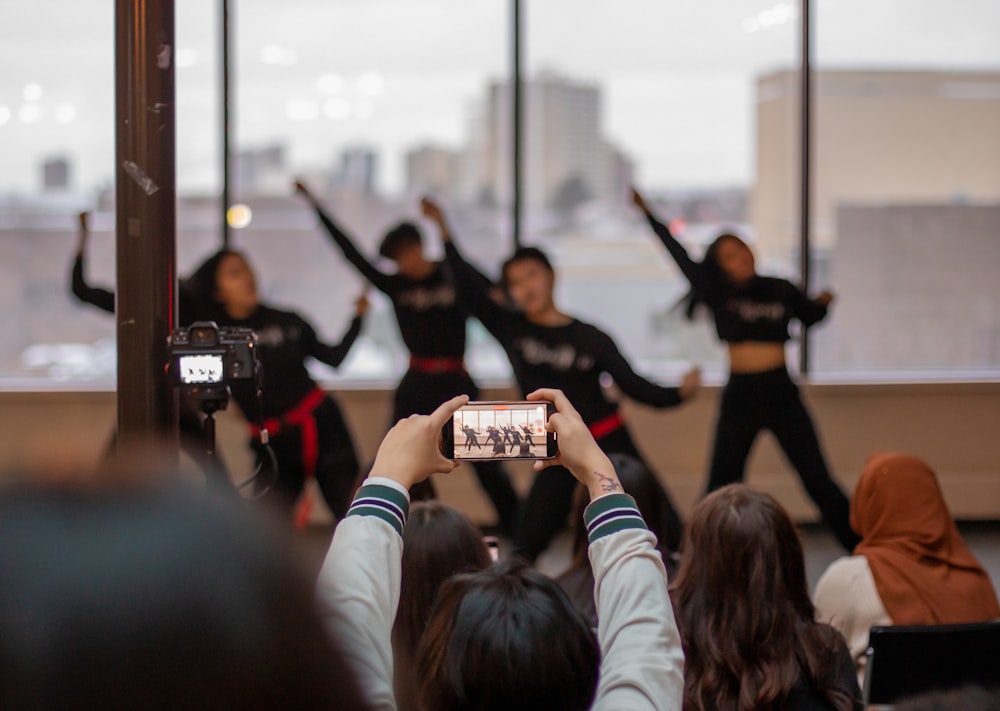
(602, 428)
(300, 416)
(437, 365)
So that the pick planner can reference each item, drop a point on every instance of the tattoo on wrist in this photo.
(607, 484)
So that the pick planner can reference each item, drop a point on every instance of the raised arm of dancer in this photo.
(380, 280)
(809, 311)
(472, 285)
(101, 298)
(690, 268)
(612, 362)
(335, 355)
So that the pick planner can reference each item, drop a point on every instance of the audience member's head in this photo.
(154, 597)
(747, 624)
(971, 698)
(506, 638)
(923, 570)
(438, 542)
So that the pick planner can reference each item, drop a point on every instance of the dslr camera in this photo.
(203, 358)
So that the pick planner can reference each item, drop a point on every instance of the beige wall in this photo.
(956, 427)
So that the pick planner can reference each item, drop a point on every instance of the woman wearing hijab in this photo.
(912, 566)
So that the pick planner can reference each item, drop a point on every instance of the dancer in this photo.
(527, 435)
(189, 421)
(752, 313)
(307, 431)
(516, 436)
(432, 325)
(548, 348)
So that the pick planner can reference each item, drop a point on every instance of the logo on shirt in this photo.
(562, 357)
(757, 311)
(423, 299)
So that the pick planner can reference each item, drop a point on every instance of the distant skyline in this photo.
(320, 76)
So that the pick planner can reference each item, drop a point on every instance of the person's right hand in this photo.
(411, 450)
(81, 244)
(578, 451)
(638, 200)
(301, 188)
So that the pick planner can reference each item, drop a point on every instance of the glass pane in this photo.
(664, 95)
(907, 229)
(373, 103)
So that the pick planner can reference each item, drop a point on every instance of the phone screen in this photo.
(500, 430)
(196, 369)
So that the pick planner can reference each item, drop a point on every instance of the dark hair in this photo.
(438, 542)
(522, 254)
(405, 234)
(156, 599)
(202, 286)
(506, 638)
(712, 279)
(747, 624)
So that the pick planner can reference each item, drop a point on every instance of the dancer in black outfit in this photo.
(189, 421)
(752, 313)
(550, 349)
(432, 325)
(306, 428)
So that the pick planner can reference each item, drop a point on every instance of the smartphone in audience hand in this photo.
(487, 431)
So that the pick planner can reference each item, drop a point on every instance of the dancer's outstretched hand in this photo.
(578, 451)
(81, 244)
(638, 200)
(302, 189)
(825, 299)
(411, 451)
(361, 304)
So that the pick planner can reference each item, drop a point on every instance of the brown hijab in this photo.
(924, 572)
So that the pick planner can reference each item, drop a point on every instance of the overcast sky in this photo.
(319, 75)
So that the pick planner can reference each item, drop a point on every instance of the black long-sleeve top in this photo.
(570, 357)
(284, 341)
(101, 298)
(759, 310)
(431, 319)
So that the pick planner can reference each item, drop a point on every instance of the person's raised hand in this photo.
(638, 200)
(301, 188)
(825, 298)
(578, 451)
(691, 383)
(411, 451)
(81, 244)
(361, 304)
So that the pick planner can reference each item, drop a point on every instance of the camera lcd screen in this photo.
(509, 430)
(202, 368)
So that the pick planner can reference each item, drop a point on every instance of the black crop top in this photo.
(570, 358)
(431, 319)
(759, 310)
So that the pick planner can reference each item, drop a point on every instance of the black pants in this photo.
(337, 467)
(770, 400)
(420, 393)
(548, 504)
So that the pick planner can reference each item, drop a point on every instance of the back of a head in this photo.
(438, 542)
(743, 605)
(155, 599)
(506, 638)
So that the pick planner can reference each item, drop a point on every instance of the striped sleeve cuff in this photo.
(611, 514)
(384, 502)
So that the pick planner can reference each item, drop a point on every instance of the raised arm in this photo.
(472, 286)
(358, 586)
(809, 311)
(380, 280)
(690, 268)
(641, 659)
(612, 362)
(335, 355)
(101, 298)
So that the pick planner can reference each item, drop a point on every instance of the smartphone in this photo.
(486, 431)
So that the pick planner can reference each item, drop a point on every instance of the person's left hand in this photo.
(361, 304)
(691, 383)
(825, 298)
(411, 451)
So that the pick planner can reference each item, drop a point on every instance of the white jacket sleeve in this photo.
(642, 663)
(358, 586)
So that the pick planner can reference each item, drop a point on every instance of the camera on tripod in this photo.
(204, 358)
